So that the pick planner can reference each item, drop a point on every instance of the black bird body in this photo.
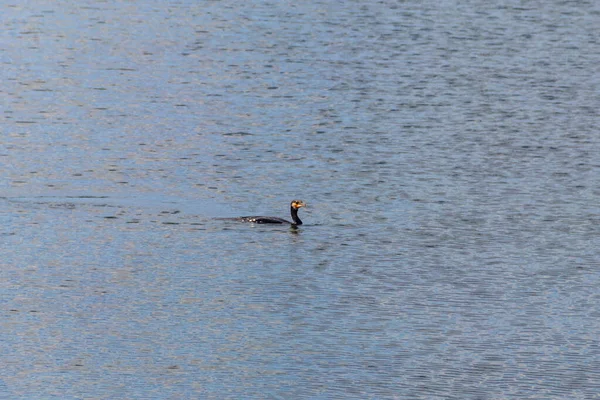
(258, 219)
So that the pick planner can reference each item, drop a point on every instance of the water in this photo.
(448, 153)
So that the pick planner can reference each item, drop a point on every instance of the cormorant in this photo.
(294, 206)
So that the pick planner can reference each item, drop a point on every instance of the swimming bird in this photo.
(294, 206)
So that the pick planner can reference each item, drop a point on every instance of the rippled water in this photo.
(448, 152)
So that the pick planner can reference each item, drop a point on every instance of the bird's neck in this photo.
(294, 212)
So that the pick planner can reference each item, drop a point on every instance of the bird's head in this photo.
(296, 204)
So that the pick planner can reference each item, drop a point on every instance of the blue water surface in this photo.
(448, 153)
